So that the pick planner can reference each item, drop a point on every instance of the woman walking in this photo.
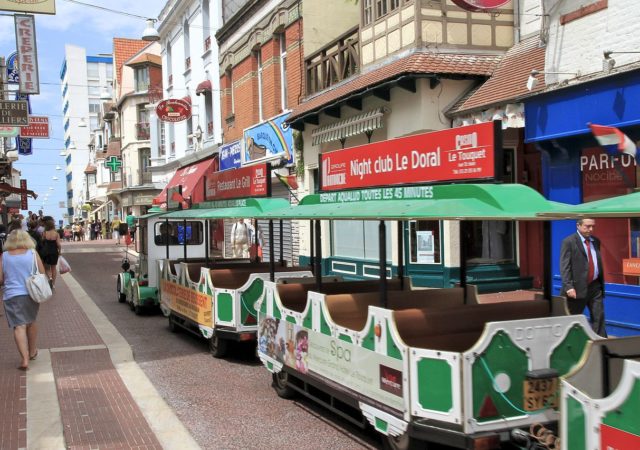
(51, 250)
(16, 265)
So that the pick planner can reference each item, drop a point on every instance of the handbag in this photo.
(38, 284)
(63, 265)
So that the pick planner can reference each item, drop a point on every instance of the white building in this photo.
(82, 78)
(190, 71)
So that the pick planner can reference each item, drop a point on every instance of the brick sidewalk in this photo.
(97, 410)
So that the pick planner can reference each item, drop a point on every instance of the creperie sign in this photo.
(27, 54)
(249, 181)
(455, 154)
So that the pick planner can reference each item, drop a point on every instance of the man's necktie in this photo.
(591, 271)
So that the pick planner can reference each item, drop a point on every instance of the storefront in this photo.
(576, 169)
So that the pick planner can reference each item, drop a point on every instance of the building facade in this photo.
(83, 79)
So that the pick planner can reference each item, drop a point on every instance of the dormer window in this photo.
(142, 78)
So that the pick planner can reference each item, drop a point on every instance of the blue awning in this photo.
(612, 100)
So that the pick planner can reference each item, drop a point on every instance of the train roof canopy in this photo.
(621, 206)
(254, 208)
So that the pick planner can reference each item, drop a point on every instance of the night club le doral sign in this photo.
(480, 5)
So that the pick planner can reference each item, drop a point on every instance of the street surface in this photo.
(224, 403)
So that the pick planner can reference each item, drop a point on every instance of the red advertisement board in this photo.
(38, 128)
(615, 439)
(462, 153)
(605, 175)
(249, 181)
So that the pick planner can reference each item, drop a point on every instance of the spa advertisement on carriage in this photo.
(367, 375)
(188, 302)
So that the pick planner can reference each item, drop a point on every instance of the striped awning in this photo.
(360, 123)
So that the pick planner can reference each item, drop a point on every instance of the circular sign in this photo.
(480, 5)
(173, 110)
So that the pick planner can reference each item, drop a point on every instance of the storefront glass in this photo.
(424, 242)
(605, 175)
(358, 239)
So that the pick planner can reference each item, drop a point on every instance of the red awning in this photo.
(188, 177)
(187, 98)
(203, 87)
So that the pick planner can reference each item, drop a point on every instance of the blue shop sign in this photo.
(230, 156)
(566, 112)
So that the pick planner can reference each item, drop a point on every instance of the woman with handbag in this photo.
(51, 250)
(16, 266)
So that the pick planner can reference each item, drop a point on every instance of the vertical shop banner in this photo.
(24, 145)
(24, 201)
(268, 141)
(27, 54)
(230, 156)
(464, 153)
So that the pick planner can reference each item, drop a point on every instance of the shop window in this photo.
(283, 71)
(493, 241)
(260, 87)
(142, 79)
(424, 242)
(358, 239)
(605, 176)
(173, 233)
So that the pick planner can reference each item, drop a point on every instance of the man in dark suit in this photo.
(583, 274)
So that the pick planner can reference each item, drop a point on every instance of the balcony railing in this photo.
(207, 43)
(144, 177)
(142, 131)
(334, 62)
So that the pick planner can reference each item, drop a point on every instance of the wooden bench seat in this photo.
(294, 295)
(351, 310)
(236, 276)
(458, 328)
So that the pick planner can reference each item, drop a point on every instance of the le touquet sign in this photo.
(455, 154)
(249, 181)
(14, 113)
(38, 128)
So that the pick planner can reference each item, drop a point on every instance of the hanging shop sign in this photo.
(268, 141)
(463, 153)
(38, 128)
(113, 163)
(24, 201)
(27, 54)
(480, 5)
(29, 6)
(230, 156)
(15, 113)
(173, 110)
(7, 131)
(251, 181)
(13, 76)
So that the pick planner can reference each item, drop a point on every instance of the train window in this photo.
(424, 242)
(173, 233)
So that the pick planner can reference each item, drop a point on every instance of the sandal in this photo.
(34, 356)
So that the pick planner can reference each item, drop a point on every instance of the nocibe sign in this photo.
(480, 5)
(173, 110)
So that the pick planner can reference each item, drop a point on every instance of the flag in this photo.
(290, 181)
(614, 140)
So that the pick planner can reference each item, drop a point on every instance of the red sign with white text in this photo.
(243, 182)
(605, 175)
(461, 153)
(173, 110)
(480, 5)
(38, 128)
(615, 439)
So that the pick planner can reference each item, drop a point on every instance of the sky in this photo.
(79, 25)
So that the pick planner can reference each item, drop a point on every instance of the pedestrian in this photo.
(131, 224)
(15, 224)
(115, 226)
(16, 265)
(51, 250)
(103, 229)
(583, 274)
(37, 237)
(240, 235)
(75, 229)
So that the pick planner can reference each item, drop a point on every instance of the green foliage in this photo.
(298, 147)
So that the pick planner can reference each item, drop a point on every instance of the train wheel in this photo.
(218, 346)
(137, 309)
(172, 325)
(403, 442)
(121, 297)
(281, 385)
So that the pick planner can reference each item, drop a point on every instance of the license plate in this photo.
(540, 393)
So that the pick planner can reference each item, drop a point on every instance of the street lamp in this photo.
(150, 34)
